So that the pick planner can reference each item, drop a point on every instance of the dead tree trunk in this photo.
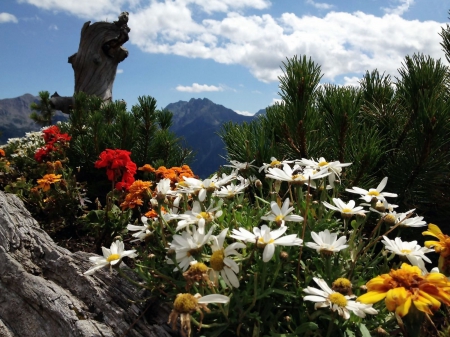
(43, 291)
(95, 64)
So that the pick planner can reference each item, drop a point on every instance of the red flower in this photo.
(118, 164)
(53, 135)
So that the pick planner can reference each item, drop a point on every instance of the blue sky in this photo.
(229, 51)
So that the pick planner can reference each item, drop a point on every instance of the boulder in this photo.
(43, 291)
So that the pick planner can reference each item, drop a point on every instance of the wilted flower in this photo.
(186, 304)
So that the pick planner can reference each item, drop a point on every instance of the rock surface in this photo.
(43, 291)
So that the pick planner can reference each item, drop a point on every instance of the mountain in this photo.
(198, 122)
(15, 118)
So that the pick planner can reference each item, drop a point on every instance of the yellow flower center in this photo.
(262, 243)
(342, 282)
(373, 193)
(298, 176)
(346, 210)
(185, 303)
(337, 298)
(113, 257)
(389, 218)
(405, 251)
(204, 215)
(279, 218)
(216, 260)
(198, 267)
(323, 163)
(275, 163)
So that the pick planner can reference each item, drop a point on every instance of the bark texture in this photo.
(43, 291)
(95, 64)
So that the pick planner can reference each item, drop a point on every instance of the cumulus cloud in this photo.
(195, 87)
(119, 71)
(400, 9)
(244, 113)
(353, 81)
(6, 17)
(342, 43)
(319, 5)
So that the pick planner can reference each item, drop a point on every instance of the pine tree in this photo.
(42, 112)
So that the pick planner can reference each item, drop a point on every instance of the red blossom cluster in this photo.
(118, 165)
(55, 141)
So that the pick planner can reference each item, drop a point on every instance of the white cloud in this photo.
(342, 43)
(319, 5)
(195, 87)
(276, 100)
(353, 81)
(400, 9)
(119, 71)
(244, 113)
(6, 17)
(53, 27)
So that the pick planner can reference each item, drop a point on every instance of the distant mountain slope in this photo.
(198, 122)
(15, 118)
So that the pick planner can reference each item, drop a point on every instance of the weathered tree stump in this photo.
(43, 291)
(95, 64)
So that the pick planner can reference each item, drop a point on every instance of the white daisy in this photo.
(231, 190)
(279, 216)
(199, 217)
(220, 261)
(377, 193)
(327, 242)
(297, 174)
(267, 239)
(334, 167)
(238, 166)
(187, 245)
(414, 252)
(163, 188)
(110, 256)
(345, 209)
(325, 297)
(201, 187)
(141, 231)
(273, 163)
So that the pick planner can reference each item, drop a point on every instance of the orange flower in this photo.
(137, 191)
(405, 286)
(151, 214)
(2, 153)
(47, 180)
(443, 245)
(147, 168)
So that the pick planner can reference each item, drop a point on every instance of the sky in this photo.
(229, 51)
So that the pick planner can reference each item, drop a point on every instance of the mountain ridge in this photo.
(197, 121)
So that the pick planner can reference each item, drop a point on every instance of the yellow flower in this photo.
(443, 245)
(47, 180)
(405, 286)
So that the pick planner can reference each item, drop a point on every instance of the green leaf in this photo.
(364, 331)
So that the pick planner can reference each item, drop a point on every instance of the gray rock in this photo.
(43, 291)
